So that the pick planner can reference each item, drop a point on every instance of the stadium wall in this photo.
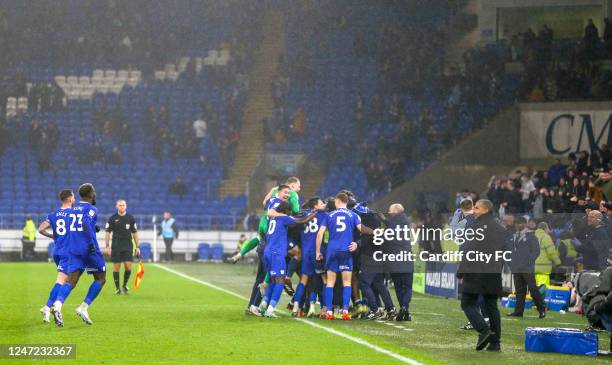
(10, 242)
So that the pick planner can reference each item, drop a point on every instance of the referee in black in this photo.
(122, 226)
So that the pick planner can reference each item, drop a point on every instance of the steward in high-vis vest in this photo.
(548, 258)
(28, 239)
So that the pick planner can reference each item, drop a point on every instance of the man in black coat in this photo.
(596, 243)
(401, 272)
(525, 250)
(482, 277)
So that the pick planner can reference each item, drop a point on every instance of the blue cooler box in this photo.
(510, 302)
(557, 298)
(561, 340)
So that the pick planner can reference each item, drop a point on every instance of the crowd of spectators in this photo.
(119, 33)
(562, 69)
(43, 138)
(563, 188)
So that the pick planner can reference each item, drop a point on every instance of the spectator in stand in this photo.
(527, 187)
(199, 128)
(298, 124)
(115, 156)
(511, 200)
(591, 39)
(607, 37)
(556, 172)
(178, 187)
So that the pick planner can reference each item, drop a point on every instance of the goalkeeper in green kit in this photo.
(293, 200)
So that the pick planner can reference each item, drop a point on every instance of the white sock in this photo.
(46, 309)
(84, 306)
(270, 309)
(296, 306)
(57, 305)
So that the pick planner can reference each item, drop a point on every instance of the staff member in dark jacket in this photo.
(122, 227)
(595, 245)
(401, 272)
(525, 251)
(479, 277)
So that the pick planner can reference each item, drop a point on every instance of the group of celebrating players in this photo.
(73, 229)
(319, 242)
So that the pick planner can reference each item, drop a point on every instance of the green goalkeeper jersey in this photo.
(294, 201)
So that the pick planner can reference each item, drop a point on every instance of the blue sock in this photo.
(53, 294)
(299, 294)
(276, 294)
(346, 297)
(64, 292)
(313, 297)
(328, 297)
(268, 294)
(92, 293)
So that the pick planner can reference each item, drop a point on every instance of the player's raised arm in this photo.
(43, 227)
(268, 196)
(307, 218)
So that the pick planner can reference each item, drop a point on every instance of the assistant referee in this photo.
(123, 228)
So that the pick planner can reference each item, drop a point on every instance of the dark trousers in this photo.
(367, 281)
(259, 278)
(169, 254)
(27, 252)
(403, 288)
(522, 282)
(469, 305)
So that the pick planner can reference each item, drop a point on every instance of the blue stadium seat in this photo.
(204, 252)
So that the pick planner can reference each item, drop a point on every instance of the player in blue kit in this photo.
(309, 255)
(340, 223)
(84, 252)
(56, 221)
(275, 254)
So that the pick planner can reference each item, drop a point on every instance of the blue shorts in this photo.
(309, 263)
(275, 263)
(93, 262)
(337, 261)
(61, 261)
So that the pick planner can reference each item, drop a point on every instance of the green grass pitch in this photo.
(173, 320)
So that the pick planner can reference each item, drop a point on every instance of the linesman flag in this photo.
(139, 274)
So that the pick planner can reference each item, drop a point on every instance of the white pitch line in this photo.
(310, 323)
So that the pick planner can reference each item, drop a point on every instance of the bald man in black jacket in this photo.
(483, 278)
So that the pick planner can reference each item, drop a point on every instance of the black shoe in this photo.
(375, 315)
(494, 347)
(483, 339)
(118, 291)
(407, 317)
(542, 315)
(391, 314)
(519, 315)
(57, 317)
(125, 290)
(468, 326)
